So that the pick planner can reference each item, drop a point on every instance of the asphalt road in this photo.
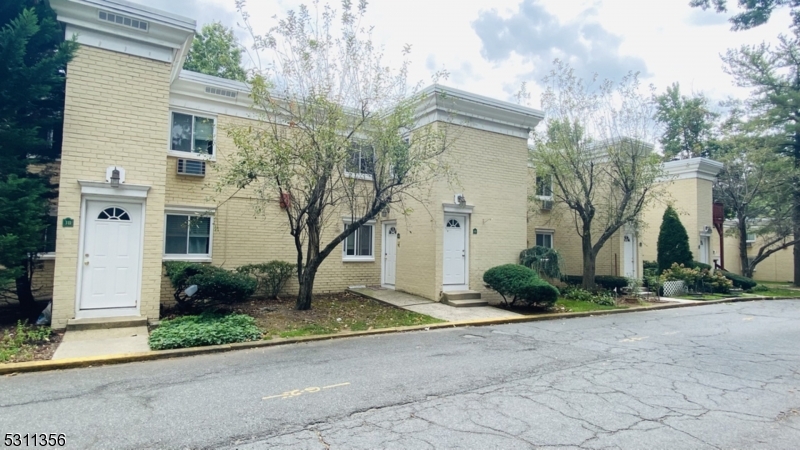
(721, 376)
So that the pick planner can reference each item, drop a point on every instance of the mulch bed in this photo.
(38, 351)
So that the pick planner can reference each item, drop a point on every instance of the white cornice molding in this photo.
(167, 37)
(89, 187)
(699, 168)
(189, 91)
(449, 105)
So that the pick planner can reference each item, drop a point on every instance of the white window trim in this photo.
(352, 258)
(192, 155)
(359, 175)
(193, 257)
(545, 232)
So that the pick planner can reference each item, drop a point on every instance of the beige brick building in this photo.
(141, 142)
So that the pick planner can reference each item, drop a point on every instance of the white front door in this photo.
(455, 251)
(629, 255)
(111, 258)
(705, 246)
(389, 253)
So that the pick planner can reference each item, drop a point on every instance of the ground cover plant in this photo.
(204, 329)
(22, 342)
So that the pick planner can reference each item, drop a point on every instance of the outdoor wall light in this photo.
(114, 178)
(462, 201)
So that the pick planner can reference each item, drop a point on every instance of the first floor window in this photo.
(50, 235)
(188, 235)
(359, 244)
(544, 240)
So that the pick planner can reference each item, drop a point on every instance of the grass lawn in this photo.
(329, 314)
(777, 292)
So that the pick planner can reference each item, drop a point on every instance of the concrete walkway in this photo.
(110, 341)
(431, 308)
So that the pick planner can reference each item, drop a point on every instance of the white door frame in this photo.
(705, 254)
(97, 191)
(465, 286)
(634, 255)
(384, 229)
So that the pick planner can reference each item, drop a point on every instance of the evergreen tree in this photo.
(35, 57)
(673, 242)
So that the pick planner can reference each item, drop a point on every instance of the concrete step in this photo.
(466, 303)
(106, 322)
(462, 295)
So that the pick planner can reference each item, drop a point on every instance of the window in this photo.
(188, 235)
(544, 240)
(544, 186)
(751, 237)
(192, 134)
(361, 161)
(50, 235)
(358, 246)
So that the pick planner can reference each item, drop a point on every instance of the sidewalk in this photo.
(109, 341)
(434, 309)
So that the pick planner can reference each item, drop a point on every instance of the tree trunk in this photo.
(25, 296)
(796, 210)
(743, 262)
(307, 286)
(589, 265)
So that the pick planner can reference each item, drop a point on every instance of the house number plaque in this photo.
(67, 222)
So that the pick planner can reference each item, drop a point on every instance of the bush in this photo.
(719, 283)
(215, 285)
(673, 242)
(545, 261)
(520, 283)
(699, 265)
(678, 272)
(577, 294)
(649, 265)
(759, 288)
(205, 329)
(739, 281)
(716, 282)
(606, 282)
(271, 276)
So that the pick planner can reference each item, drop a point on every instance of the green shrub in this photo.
(718, 281)
(516, 282)
(673, 242)
(205, 329)
(215, 285)
(607, 282)
(271, 276)
(577, 294)
(678, 272)
(739, 281)
(699, 265)
(759, 288)
(649, 265)
(604, 299)
(545, 261)
(696, 277)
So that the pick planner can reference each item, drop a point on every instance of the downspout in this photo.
(719, 219)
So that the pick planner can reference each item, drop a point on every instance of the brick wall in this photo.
(116, 113)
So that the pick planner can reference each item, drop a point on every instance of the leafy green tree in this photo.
(673, 242)
(35, 56)
(215, 51)
(773, 75)
(597, 148)
(756, 12)
(687, 121)
(337, 134)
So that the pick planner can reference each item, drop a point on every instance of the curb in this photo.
(72, 363)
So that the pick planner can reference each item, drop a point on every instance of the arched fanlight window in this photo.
(392, 230)
(113, 213)
(453, 223)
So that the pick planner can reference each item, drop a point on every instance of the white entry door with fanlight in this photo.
(389, 254)
(454, 270)
(629, 255)
(110, 262)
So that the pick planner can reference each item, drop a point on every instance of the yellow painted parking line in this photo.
(299, 392)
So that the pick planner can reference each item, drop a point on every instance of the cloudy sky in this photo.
(491, 46)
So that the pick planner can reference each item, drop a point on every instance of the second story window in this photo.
(192, 134)
(544, 186)
(361, 161)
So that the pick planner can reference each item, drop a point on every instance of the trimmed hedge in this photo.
(699, 265)
(215, 285)
(740, 281)
(520, 283)
(202, 330)
(607, 282)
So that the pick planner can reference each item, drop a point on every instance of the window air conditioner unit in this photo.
(191, 167)
(547, 205)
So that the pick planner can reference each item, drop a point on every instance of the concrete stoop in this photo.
(461, 299)
(103, 323)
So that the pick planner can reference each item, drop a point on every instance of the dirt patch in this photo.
(30, 350)
(329, 314)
